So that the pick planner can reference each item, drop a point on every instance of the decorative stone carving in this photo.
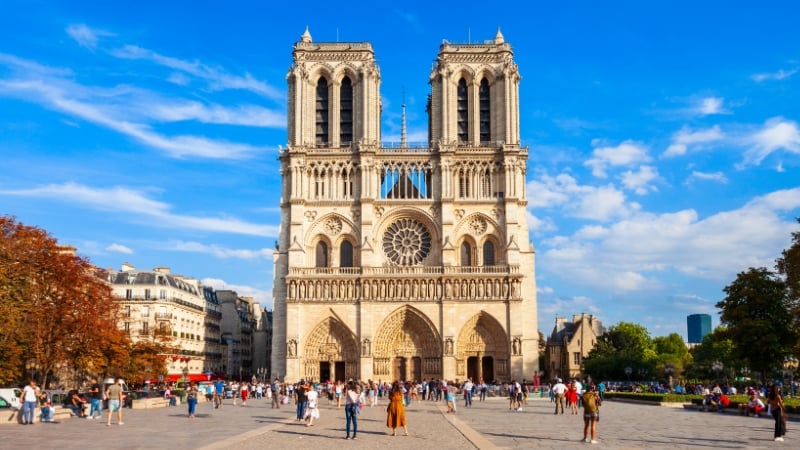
(333, 225)
(366, 348)
(310, 215)
(378, 210)
(406, 242)
(291, 348)
(478, 225)
(458, 213)
(448, 346)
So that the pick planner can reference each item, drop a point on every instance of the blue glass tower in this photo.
(698, 325)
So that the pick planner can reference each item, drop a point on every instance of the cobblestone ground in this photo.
(486, 425)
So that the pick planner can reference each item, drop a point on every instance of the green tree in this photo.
(716, 346)
(623, 345)
(757, 314)
(671, 352)
(788, 265)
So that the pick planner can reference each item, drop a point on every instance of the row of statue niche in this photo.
(422, 289)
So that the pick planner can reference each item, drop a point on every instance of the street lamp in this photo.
(669, 368)
(717, 367)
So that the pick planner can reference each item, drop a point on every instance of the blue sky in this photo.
(663, 136)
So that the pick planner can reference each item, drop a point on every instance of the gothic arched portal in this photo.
(407, 347)
(482, 349)
(331, 352)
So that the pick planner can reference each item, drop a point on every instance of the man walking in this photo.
(96, 392)
(559, 389)
(467, 387)
(114, 395)
(28, 400)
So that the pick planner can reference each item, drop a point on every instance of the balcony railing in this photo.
(163, 316)
(407, 270)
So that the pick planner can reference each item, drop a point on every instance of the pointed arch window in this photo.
(466, 254)
(346, 254)
(346, 112)
(321, 255)
(485, 111)
(488, 254)
(321, 120)
(462, 111)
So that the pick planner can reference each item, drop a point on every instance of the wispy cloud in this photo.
(85, 36)
(600, 203)
(119, 248)
(119, 199)
(776, 76)
(708, 176)
(709, 106)
(126, 109)
(776, 134)
(683, 139)
(217, 79)
(628, 153)
(218, 251)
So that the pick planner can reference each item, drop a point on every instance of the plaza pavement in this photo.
(487, 425)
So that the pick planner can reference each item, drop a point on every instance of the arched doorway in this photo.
(331, 352)
(482, 349)
(407, 347)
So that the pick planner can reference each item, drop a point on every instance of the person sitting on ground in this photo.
(76, 404)
(755, 406)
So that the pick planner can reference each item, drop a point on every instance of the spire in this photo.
(498, 38)
(403, 142)
(306, 37)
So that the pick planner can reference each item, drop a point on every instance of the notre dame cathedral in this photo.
(404, 262)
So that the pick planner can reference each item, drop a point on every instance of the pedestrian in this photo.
(572, 399)
(467, 389)
(778, 412)
(312, 407)
(351, 398)
(219, 393)
(483, 389)
(275, 390)
(27, 399)
(395, 411)
(114, 396)
(191, 398)
(245, 390)
(558, 390)
(96, 392)
(591, 413)
(300, 400)
(339, 392)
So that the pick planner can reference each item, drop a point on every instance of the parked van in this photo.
(11, 395)
(109, 381)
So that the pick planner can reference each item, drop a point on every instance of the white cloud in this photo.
(246, 115)
(220, 252)
(119, 248)
(710, 106)
(65, 98)
(684, 138)
(153, 212)
(85, 36)
(709, 176)
(627, 153)
(776, 134)
(640, 181)
(779, 75)
(583, 201)
(262, 297)
(629, 254)
(217, 79)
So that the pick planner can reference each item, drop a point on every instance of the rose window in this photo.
(407, 242)
(478, 225)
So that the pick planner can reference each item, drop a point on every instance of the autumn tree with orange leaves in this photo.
(60, 316)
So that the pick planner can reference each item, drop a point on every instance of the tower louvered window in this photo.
(462, 111)
(321, 255)
(485, 115)
(488, 254)
(346, 254)
(321, 120)
(346, 112)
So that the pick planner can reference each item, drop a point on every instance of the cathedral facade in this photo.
(404, 262)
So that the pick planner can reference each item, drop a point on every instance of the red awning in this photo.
(173, 377)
